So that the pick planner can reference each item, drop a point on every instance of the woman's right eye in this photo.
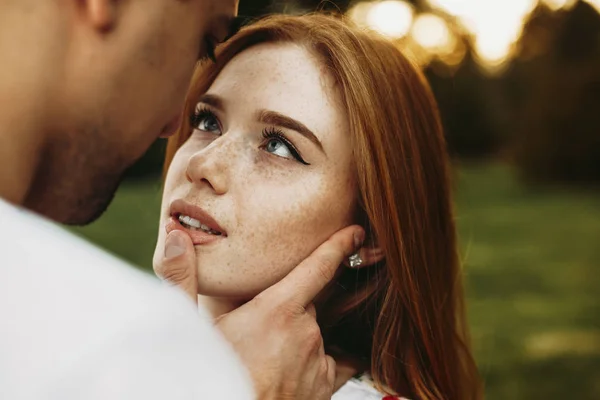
(206, 121)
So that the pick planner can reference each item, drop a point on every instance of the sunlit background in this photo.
(518, 85)
(438, 28)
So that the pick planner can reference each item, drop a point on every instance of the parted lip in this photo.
(180, 206)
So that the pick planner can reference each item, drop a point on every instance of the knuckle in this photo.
(313, 337)
(324, 367)
(326, 265)
(286, 313)
(173, 274)
(331, 365)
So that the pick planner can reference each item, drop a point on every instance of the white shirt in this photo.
(361, 388)
(77, 323)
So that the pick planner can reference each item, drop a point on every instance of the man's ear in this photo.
(101, 14)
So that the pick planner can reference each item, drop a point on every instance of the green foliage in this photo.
(464, 101)
(558, 134)
(531, 260)
(151, 163)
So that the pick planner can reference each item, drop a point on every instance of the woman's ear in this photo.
(365, 257)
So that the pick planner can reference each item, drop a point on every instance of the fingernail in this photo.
(174, 245)
(359, 237)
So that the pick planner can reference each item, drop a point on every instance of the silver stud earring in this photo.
(355, 261)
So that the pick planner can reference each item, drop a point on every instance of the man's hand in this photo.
(276, 333)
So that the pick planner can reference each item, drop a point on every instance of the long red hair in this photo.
(403, 319)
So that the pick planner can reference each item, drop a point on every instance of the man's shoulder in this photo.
(31, 243)
(68, 308)
(54, 277)
(42, 255)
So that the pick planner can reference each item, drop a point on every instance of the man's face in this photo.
(124, 87)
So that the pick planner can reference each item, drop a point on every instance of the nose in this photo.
(211, 165)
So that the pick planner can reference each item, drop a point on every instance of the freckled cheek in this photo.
(280, 225)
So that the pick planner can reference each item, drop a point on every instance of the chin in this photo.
(229, 290)
(77, 211)
(87, 215)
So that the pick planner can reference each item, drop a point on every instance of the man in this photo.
(85, 87)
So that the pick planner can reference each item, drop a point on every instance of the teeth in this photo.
(190, 221)
(195, 225)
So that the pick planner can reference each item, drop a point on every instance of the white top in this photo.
(361, 388)
(76, 323)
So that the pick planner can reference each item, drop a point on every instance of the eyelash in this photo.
(274, 133)
(268, 133)
(199, 115)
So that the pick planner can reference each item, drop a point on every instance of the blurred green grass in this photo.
(531, 261)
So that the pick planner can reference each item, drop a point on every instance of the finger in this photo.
(314, 273)
(178, 265)
(321, 351)
(311, 310)
(331, 370)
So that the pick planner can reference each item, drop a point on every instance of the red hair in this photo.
(403, 319)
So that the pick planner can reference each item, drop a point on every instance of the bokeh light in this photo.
(432, 33)
(359, 12)
(495, 26)
(556, 5)
(594, 3)
(391, 18)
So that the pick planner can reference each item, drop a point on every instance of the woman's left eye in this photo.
(276, 143)
(277, 147)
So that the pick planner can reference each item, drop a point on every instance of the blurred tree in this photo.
(463, 99)
(150, 165)
(557, 135)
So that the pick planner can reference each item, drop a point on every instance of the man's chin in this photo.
(89, 206)
(89, 211)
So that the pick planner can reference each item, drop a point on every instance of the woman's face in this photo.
(268, 166)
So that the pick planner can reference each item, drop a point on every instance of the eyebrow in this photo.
(283, 121)
(212, 100)
(268, 117)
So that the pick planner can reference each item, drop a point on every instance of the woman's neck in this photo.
(217, 306)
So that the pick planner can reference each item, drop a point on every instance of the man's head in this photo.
(120, 72)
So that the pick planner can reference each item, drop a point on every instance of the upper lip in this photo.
(179, 207)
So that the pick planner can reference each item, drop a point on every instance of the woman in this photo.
(304, 125)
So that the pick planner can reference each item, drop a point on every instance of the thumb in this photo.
(178, 264)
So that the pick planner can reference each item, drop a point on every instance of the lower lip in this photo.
(198, 237)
